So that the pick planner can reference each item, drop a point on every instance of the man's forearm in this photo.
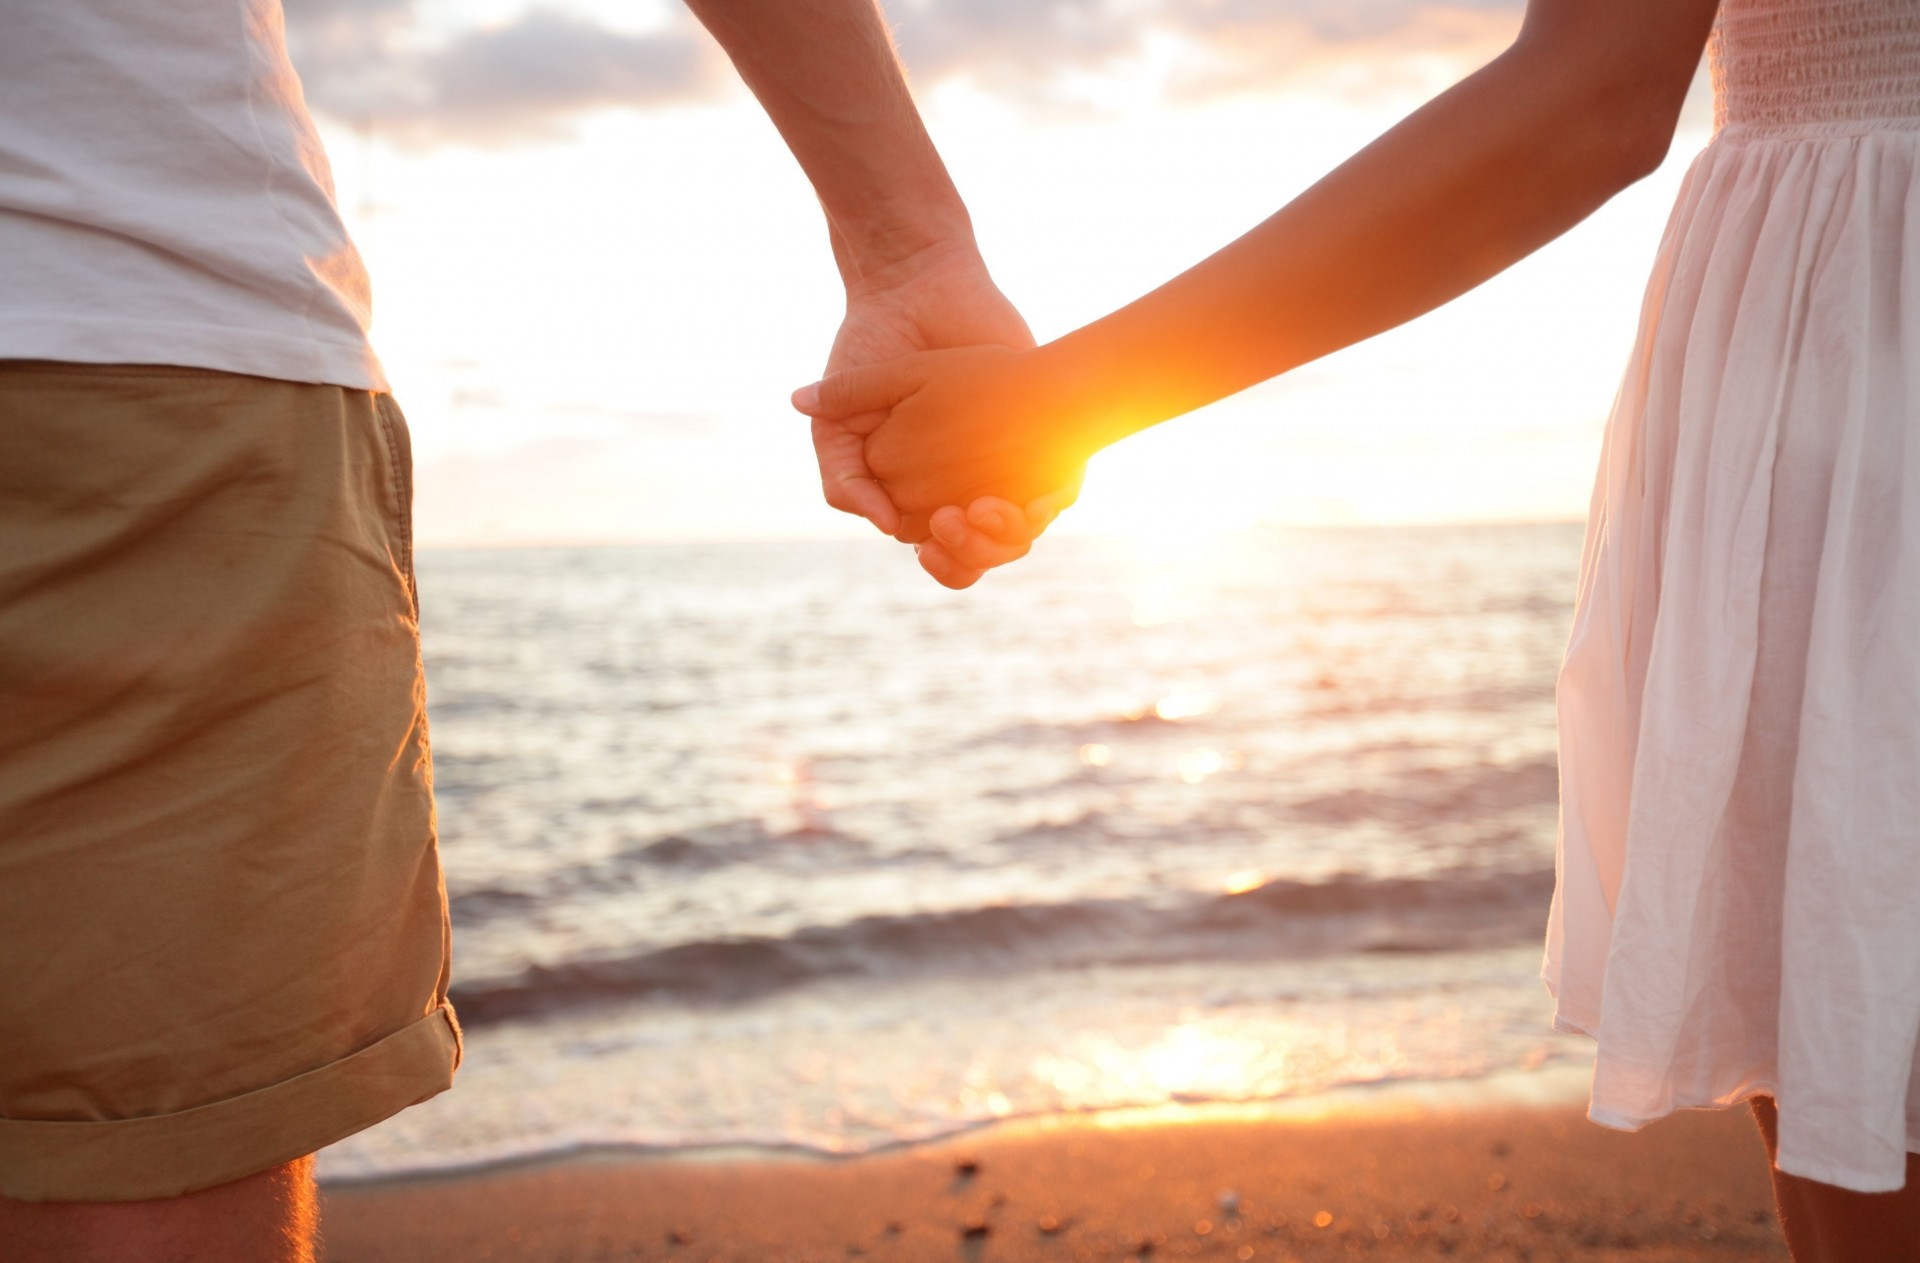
(826, 73)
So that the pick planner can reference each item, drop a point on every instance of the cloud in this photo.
(366, 60)
(1015, 44)
(1338, 21)
(1031, 50)
(360, 60)
(1356, 48)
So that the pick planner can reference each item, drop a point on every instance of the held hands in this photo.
(984, 426)
(939, 297)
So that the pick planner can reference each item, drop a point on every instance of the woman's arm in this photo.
(1583, 104)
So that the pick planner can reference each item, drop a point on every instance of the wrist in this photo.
(1090, 401)
(885, 250)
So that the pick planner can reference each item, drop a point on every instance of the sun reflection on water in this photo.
(1190, 1061)
(1096, 754)
(1178, 706)
(1198, 765)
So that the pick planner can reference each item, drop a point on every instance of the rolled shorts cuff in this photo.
(166, 1155)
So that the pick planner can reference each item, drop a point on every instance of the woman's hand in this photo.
(989, 532)
(938, 298)
(960, 425)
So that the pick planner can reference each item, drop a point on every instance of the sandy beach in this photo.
(1395, 1175)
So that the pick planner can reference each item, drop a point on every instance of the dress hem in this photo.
(1621, 1120)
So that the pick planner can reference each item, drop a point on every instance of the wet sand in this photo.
(1395, 1177)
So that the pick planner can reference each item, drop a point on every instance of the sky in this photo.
(598, 273)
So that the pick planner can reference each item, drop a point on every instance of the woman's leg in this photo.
(1824, 1224)
(1789, 1197)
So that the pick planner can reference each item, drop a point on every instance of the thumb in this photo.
(852, 391)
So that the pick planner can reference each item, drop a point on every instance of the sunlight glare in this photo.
(1198, 765)
(1178, 706)
(1190, 1061)
(1241, 882)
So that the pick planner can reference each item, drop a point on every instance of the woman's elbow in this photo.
(1643, 138)
(1623, 138)
(1618, 82)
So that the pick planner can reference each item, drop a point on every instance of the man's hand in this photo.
(940, 298)
(829, 78)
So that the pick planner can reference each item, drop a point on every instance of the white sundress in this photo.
(1738, 904)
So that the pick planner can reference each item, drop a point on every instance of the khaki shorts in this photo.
(223, 932)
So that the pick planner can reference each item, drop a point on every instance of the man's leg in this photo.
(1824, 1224)
(264, 1218)
(223, 934)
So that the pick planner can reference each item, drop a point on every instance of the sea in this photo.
(784, 848)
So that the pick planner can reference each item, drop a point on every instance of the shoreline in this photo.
(1506, 1170)
(1554, 1085)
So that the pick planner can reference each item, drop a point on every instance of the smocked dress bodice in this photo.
(1816, 63)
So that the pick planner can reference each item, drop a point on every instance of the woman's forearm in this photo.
(1583, 104)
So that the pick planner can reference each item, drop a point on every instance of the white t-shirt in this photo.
(164, 198)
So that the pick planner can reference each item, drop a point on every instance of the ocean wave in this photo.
(1453, 910)
(690, 850)
(1425, 796)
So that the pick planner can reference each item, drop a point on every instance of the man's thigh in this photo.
(222, 926)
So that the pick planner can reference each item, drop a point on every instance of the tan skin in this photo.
(1833, 1224)
(264, 1218)
(1583, 104)
(827, 75)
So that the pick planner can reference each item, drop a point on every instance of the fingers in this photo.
(1000, 520)
(912, 528)
(868, 388)
(990, 532)
(972, 548)
(947, 572)
(845, 480)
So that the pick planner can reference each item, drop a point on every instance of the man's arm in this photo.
(827, 75)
